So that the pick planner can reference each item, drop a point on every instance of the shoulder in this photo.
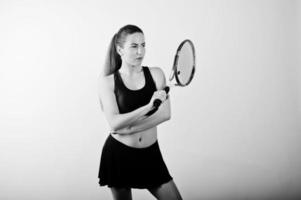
(105, 82)
(156, 71)
(158, 76)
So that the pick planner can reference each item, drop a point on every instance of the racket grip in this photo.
(167, 89)
(152, 111)
(157, 103)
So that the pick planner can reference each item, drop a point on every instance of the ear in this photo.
(119, 50)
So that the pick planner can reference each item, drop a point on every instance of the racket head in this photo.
(184, 63)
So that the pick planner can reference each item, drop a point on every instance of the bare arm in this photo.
(161, 115)
(108, 101)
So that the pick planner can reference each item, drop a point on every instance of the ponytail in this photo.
(113, 59)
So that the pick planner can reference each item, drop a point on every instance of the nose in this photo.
(140, 50)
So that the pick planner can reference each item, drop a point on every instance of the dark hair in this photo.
(113, 59)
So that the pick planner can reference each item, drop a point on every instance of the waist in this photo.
(142, 139)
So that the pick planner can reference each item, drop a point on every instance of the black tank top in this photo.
(129, 100)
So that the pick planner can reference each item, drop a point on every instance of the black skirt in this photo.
(129, 167)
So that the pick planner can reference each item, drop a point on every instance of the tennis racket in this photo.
(182, 71)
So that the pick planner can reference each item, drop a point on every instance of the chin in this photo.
(137, 63)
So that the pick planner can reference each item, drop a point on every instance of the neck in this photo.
(130, 69)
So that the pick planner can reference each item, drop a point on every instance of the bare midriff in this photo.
(138, 140)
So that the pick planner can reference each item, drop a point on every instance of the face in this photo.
(133, 49)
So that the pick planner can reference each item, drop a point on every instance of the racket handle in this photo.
(157, 103)
(152, 111)
(167, 88)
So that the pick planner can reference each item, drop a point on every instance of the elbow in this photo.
(167, 111)
(167, 116)
(114, 126)
(114, 123)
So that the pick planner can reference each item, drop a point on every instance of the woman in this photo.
(131, 156)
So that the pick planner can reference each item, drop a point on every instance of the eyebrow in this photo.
(137, 43)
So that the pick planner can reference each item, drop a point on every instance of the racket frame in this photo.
(175, 64)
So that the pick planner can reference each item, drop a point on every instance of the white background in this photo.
(234, 133)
